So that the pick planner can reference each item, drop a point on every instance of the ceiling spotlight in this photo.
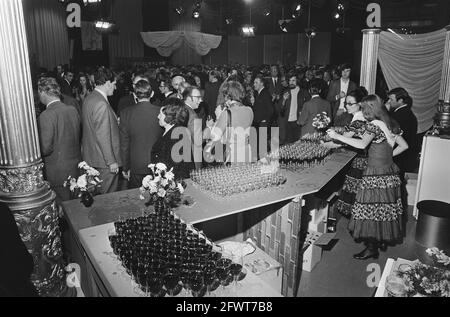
(266, 12)
(297, 10)
(311, 32)
(179, 10)
(248, 30)
(196, 14)
(283, 25)
(229, 21)
(337, 15)
(86, 2)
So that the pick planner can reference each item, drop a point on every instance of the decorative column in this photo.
(442, 119)
(371, 40)
(22, 185)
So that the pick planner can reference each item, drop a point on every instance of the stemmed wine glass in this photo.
(223, 269)
(171, 278)
(236, 267)
(196, 282)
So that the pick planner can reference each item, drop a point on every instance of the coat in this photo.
(310, 110)
(59, 135)
(101, 136)
(162, 153)
(408, 160)
(139, 130)
(333, 91)
(262, 108)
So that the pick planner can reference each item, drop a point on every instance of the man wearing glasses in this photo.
(192, 98)
(164, 88)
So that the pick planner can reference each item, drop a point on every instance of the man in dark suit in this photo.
(130, 99)
(70, 101)
(139, 130)
(59, 136)
(262, 111)
(66, 83)
(399, 105)
(17, 264)
(164, 89)
(101, 137)
(212, 92)
(192, 99)
(313, 107)
(337, 93)
(290, 108)
(275, 88)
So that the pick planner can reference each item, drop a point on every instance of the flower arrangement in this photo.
(426, 280)
(321, 121)
(161, 185)
(438, 256)
(86, 183)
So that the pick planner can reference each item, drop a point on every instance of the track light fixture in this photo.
(266, 12)
(179, 10)
(311, 32)
(297, 10)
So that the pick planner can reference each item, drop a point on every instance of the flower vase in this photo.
(87, 199)
(161, 207)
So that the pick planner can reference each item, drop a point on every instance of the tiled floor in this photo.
(339, 275)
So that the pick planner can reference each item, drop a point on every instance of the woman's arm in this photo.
(402, 146)
(356, 143)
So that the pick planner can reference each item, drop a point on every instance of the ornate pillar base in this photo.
(36, 213)
(442, 118)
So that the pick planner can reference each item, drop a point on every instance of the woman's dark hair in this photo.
(88, 83)
(359, 94)
(233, 90)
(175, 111)
(374, 109)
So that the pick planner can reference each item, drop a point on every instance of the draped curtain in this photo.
(414, 62)
(47, 36)
(167, 42)
(128, 17)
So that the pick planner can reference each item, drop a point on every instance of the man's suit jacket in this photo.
(195, 129)
(285, 107)
(407, 161)
(139, 130)
(274, 89)
(262, 108)
(333, 91)
(101, 136)
(60, 130)
(125, 102)
(162, 153)
(70, 101)
(66, 88)
(310, 110)
(211, 95)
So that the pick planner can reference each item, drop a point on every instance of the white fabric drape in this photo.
(47, 36)
(166, 42)
(128, 17)
(414, 62)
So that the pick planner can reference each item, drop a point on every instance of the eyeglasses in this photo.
(196, 96)
(351, 104)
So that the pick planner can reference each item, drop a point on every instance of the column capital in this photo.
(371, 31)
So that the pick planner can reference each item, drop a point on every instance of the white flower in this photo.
(170, 175)
(152, 167)
(82, 165)
(161, 192)
(92, 172)
(164, 182)
(146, 181)
(161, 166)
(82, 181)
(180, 188)
(153, 186)
(141, 197)
(73, 184)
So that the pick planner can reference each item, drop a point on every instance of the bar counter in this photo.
(126, 204)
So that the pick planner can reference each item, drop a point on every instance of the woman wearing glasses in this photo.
(355, 129)
(377, 212)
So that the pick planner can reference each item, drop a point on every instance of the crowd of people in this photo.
(190, 117)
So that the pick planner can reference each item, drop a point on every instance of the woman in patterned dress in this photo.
(355, 129)
(376, 214)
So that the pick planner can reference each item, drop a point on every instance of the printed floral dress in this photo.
(347, 195)
(378, 208)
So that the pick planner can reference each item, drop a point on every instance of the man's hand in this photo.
(126, 175)
(341, 95)
(114, 168)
